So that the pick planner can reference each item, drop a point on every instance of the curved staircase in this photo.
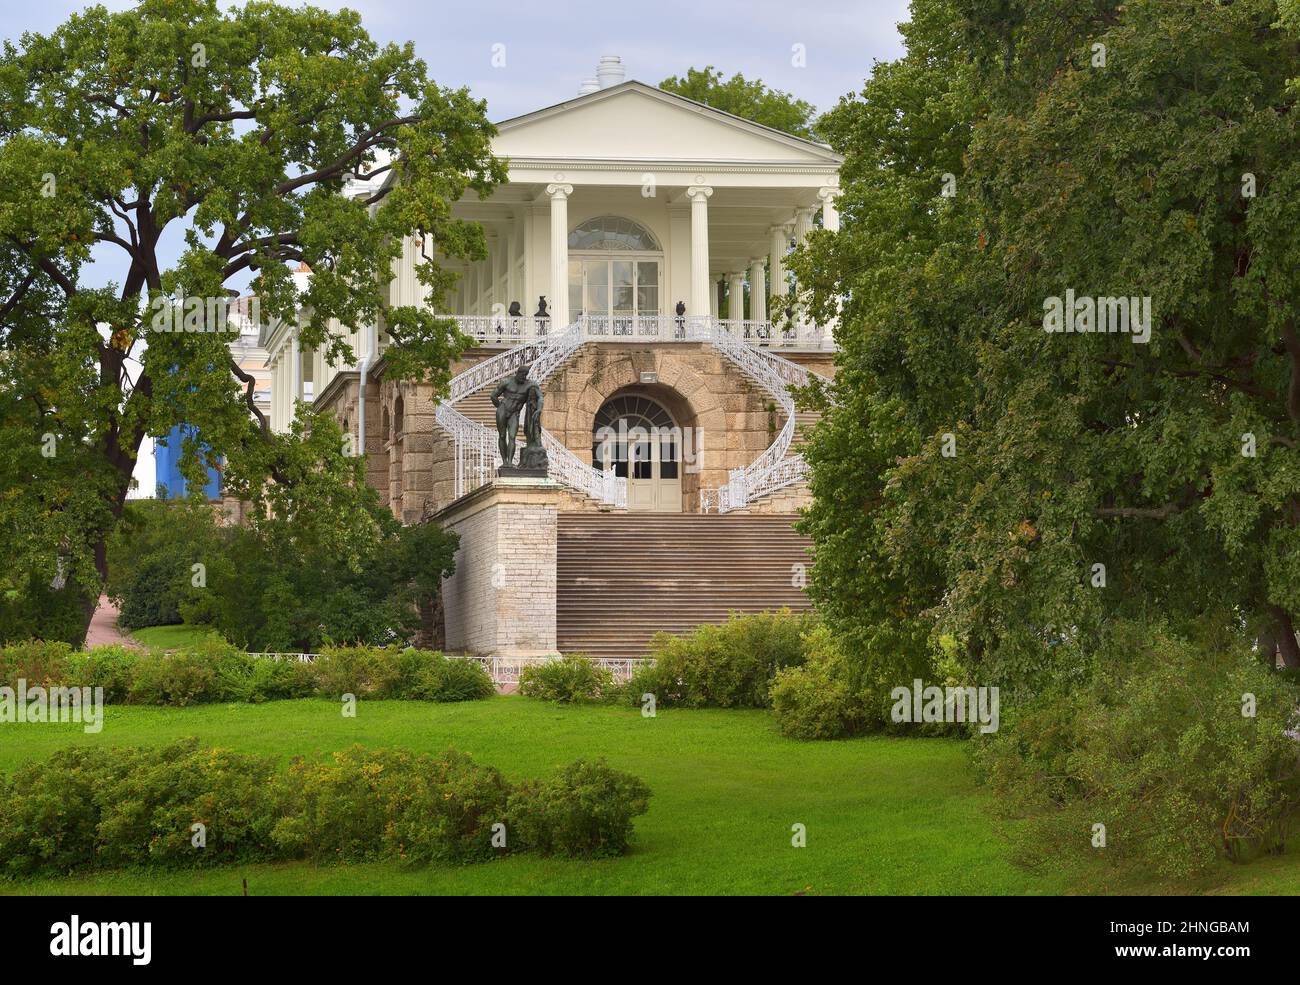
(466, 416)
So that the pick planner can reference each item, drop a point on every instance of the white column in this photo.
(559, 299)
(776, 259)
(736, 296)
(700, 283)
(757, 290)
(830, 214)
(295, 372)
(803, 225)
(831, 222)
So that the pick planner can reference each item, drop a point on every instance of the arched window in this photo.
(611, 233)
(397, 419)
(638, 411)
(614, 272)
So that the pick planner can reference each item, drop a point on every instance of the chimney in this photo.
(588, 85)
(610, 71)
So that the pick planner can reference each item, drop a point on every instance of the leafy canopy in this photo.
(972, 470)
(202, 152)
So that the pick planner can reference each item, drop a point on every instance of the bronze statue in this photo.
(515, 395)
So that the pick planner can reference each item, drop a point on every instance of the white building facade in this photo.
(633, 257)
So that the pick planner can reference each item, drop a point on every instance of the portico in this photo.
(704, 199)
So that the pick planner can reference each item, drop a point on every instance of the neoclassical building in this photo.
(633, 254)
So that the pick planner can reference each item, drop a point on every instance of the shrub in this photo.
(151, 594)
(245, 677)
(817, 701)
(453, 679)
(109, 667)
(585, 809)
(359, 670)
(570, 679)
(731, 665)
(446, 810)
(369, 804)
(94, 806)
(180, 678)
(1155, 744)
(35, 661)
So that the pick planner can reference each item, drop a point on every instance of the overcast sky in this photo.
(551, 47)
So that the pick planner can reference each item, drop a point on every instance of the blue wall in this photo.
(167, 456)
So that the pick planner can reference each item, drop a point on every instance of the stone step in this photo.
(622, 577)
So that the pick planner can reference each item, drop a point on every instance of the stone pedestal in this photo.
(500, 601)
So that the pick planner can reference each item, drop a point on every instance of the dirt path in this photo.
(103, 626)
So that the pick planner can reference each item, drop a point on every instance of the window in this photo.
(611, 233)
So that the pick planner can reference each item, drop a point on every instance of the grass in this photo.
(882, 815)
(171, 637)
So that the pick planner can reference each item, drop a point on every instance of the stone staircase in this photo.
(621, 577)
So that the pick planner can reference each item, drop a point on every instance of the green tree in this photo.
(232, 133)
(973, 471)
(750, 100)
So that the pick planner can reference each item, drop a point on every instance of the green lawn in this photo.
(882, 815)
(170, 637)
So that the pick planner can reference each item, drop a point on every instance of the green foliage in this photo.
(151, 558)
(280, 587)
(36, 662)
(818, 700)
(213, 670)
(969, 468)
(750, 100)
(436, 677)
(93, 807)
(232, 132)
(1158, 748)
(109, 667)
(179, 678)
(585, 809)
(731, 665)
(151, 595)
(98, 807)
(571, 679)
(370, 804)
(356, 670)
(31, 608)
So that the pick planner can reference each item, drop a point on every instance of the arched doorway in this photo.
(615, 272)
(637, 437)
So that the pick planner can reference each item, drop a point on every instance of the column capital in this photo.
(699, 193)
(828, 193)
(559, 191)
(781, 228)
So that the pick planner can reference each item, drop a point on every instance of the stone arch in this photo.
(682, 388)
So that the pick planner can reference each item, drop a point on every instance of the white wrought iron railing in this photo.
(746, 344)
(504, 330)
(475, 446)
(775, 468)
(506, 670)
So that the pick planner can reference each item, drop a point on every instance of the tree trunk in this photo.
(1284, 636)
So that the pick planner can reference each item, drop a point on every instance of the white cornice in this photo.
(683, 166)
(681, 102)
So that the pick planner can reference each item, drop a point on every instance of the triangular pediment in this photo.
(634, 121)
